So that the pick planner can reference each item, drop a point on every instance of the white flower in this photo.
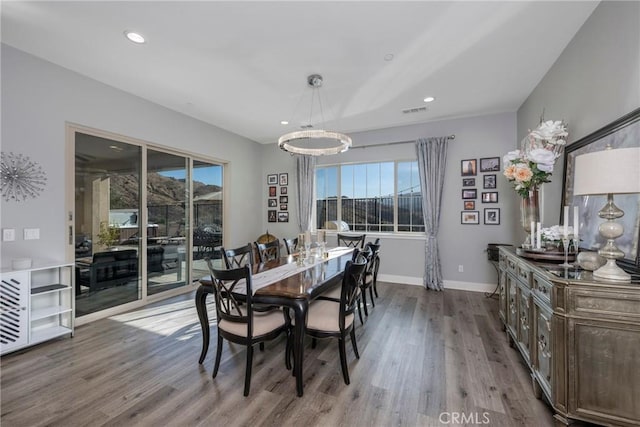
(544, 158)
(511, 156)
(550, 130)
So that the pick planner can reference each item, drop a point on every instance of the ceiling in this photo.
(242, 66)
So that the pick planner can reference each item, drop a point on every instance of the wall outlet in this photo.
(8, 234)
(31, 233)
(461, 268)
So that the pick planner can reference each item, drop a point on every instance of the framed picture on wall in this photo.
(284, 199)
(490, 197)
(489, 181)
(468, 167)
(469, 205)
(470, 217)
(492, 216)
(284, 179)
(283, 216)
(273, 191)
(272, 216)
(471, 193)
(490, 164)
(283, 190)
(273, 203)
(272, 179)
(283, 207)
(468, 182)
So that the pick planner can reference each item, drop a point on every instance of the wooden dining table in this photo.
(295, 292)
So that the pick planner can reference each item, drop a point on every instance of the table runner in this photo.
(268, 277)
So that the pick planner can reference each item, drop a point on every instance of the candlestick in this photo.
(565, 225)
(539, 236)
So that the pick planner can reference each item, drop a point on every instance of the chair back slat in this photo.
(238, 257)
(228, 306)
(268, 251)
(291, 245)
(353, 273)
(351, 241)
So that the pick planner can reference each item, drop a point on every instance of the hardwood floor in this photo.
(424, 356)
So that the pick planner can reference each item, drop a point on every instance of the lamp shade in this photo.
(611, 171)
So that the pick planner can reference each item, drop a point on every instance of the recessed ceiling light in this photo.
(388, 57)
(134, 37)
(284, 122)
(429, 99)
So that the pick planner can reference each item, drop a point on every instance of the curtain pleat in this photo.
(305, 177)
(432, 160)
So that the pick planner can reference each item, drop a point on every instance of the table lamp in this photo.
(611, 171)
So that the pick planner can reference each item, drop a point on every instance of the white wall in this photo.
(595, 81)
(38, 97)
(403, 257)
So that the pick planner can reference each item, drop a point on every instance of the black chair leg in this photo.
(373, 302)
(262, 346)
(375, 288)
(364, 302)
(218, 356)
(353, 343)
(360, 312)
(247, 375)
(314, 342)
(343, 361)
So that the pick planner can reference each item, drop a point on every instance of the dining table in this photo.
(288, 282)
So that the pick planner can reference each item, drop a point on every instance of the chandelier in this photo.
(315, 142)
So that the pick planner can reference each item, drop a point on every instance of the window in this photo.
(382, 197)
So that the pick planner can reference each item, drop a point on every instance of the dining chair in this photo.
(237, 320)
(328, 318)
(369, 277)
(268, 251)
(334, 294)
(351, 241)
(290, 245)
(376, 267)
(238, 257)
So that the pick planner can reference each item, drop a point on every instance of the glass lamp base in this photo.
(611, 271)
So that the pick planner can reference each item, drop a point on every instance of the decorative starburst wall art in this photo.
(21, 177)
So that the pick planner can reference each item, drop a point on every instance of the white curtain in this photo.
(432, 159)
(305, 177)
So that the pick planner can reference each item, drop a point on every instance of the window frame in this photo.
(338, 167)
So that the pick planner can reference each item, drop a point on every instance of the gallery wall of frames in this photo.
(278, 200)
(475, 174)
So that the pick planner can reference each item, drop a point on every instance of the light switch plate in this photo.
(8, 234)
(31, 233)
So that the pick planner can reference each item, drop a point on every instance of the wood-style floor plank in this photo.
(423, 355)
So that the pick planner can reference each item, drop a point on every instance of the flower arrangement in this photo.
(554, 233)
(533, 164)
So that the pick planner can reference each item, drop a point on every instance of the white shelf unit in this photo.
(47, 304)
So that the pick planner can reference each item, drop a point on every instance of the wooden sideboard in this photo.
(580, 338)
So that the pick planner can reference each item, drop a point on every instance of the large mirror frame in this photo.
(622, 133)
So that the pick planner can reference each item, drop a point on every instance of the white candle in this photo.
(565, 225)
(533, 234)
(321, 236)
(539, 236)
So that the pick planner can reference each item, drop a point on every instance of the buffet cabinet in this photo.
(36, 305)
(580, 338)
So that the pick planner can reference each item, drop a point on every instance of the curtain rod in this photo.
(392, 143)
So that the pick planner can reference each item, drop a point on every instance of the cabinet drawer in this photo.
(523, 273)
(512, 305)
(542, 288)
(524, 322)
(512, 265)
(619, 305)
(543, 347)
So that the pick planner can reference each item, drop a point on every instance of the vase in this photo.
(530, 211)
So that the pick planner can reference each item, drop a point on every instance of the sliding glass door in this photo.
(107, 208)
(133, 244)
(168, 210)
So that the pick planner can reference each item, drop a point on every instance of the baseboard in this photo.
(448, 284)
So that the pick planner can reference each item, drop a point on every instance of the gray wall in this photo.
(595, 81)
(403, 257)
(38, 97)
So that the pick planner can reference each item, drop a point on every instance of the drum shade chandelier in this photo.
(315, 142)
